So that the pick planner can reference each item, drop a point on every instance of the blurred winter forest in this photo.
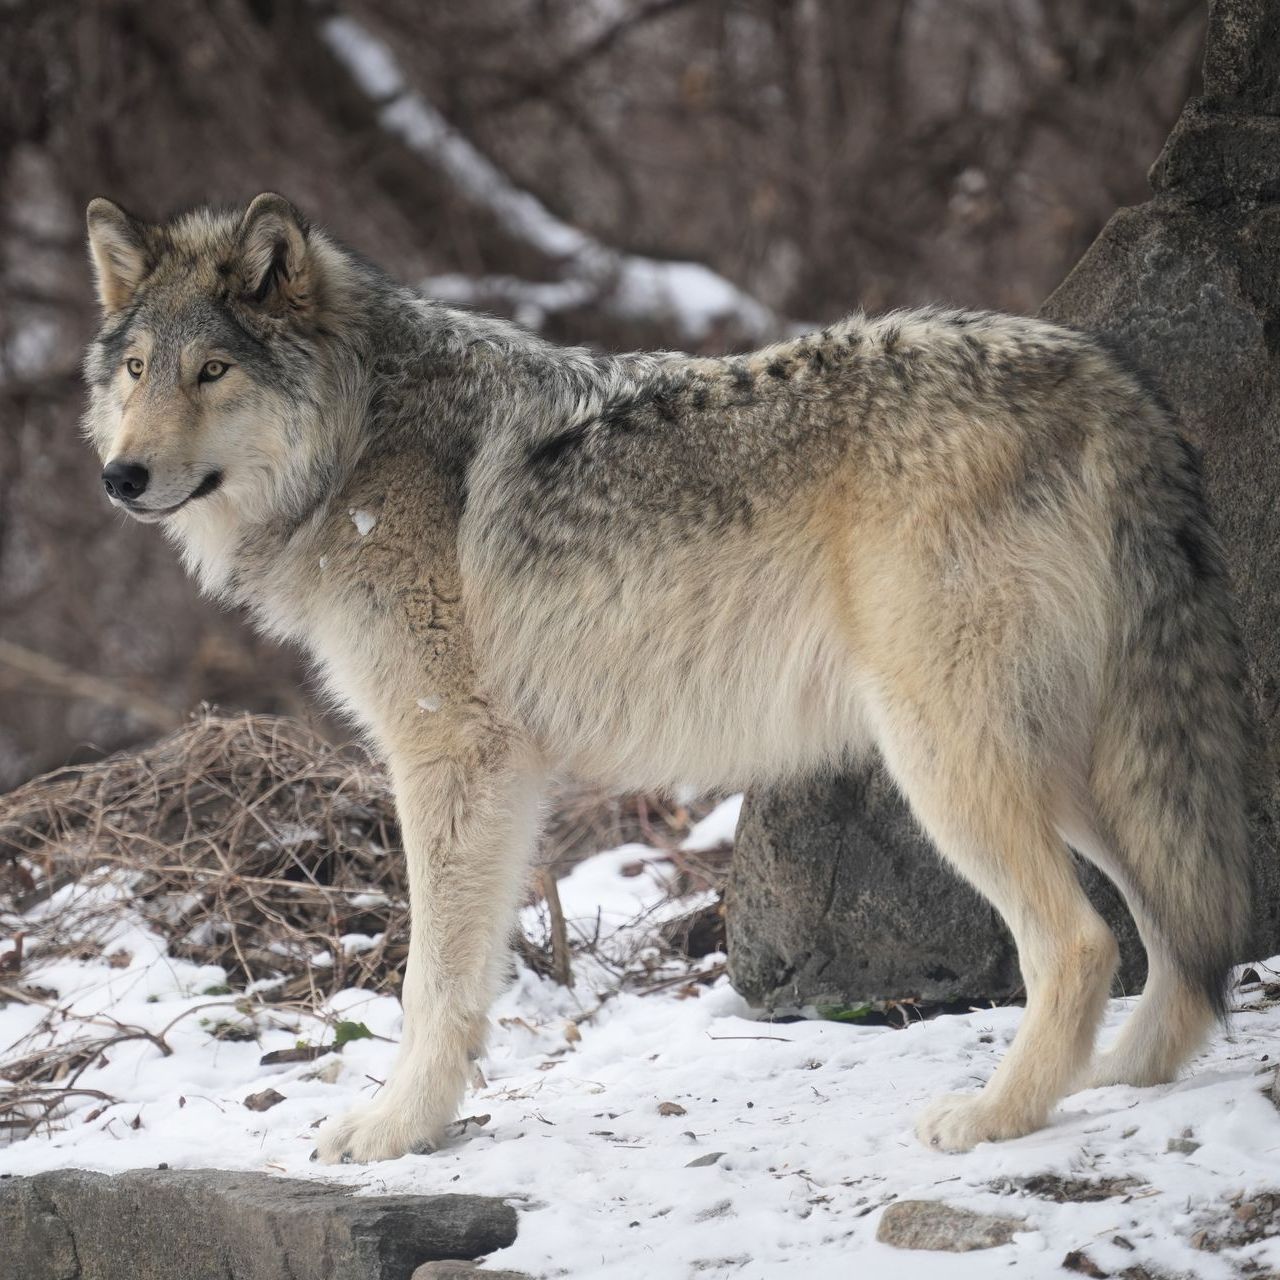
(682, 173)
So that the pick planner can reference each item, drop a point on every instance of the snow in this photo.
(812, 1119)
(363, 521)
(531, 301)
(716, 828)
(690, 294)
(433, 702)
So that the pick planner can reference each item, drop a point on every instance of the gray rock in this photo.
(933, 1224)
(835, 896)
(704, 1162)
(210, 1225)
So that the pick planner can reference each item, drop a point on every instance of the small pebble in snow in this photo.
(702, 1162)
(1079, 1261)
(263, 1101)
(671, 1109)
(1187, 1146)
(328, 1074)
(724, 1209)
(933, 1224)
(431, 703)
(363, 520)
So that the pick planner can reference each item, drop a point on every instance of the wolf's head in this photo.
(203, 375)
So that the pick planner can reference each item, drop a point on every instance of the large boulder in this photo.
(205, 1224)
(835, 896)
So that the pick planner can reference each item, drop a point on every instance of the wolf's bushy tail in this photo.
(1169, 777)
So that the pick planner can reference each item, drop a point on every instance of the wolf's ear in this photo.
(118, 250)
(273, 257)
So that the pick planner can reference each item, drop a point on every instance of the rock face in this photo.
(1188, 286)
(835, 896)
(210, 1225)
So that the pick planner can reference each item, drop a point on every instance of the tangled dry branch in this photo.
(251, 843)
(247, 842)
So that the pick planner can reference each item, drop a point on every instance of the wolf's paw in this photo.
(375, 1131)
(959, 1121)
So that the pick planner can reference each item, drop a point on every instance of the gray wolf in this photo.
(972, 542)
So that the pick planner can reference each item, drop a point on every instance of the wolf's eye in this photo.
(213, 370)
(134, 366)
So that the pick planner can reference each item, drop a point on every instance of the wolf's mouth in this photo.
(203, 489)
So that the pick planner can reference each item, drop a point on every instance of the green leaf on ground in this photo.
(844, 1012)
(345, 1032)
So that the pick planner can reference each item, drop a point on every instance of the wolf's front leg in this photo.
(468, 820)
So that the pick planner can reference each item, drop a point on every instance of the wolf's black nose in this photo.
(126, 480)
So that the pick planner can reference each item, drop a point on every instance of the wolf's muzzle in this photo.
(118, 493)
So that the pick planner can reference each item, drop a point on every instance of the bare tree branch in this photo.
(63, 679)
(542, 83)
(693, 297)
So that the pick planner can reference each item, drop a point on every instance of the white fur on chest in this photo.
(207, 538)
(351, 655)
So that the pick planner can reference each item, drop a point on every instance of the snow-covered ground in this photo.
(783, 1144)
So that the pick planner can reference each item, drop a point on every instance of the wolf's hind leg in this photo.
(989, 822)
(468, 820)
(1174, 1013)
(1168, 1026)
